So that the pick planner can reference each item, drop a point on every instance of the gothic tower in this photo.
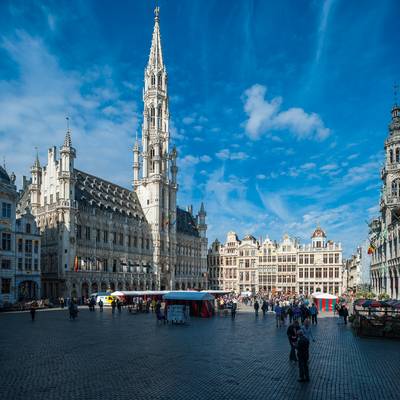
(390, 199)
(156, 185)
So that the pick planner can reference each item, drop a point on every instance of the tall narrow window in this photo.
(159, 117)
(152, 117)
(391, 155)
(159, 81)
(397, 154)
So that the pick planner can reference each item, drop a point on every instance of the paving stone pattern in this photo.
(123, 356)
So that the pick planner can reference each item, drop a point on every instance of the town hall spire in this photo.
(155, 58)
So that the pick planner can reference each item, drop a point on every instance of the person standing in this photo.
(303, 354)
(290, 313)
(264, 307)
(62, 303)
(32, 310)
(314, 314)
(345, 314)
(292, 336)
(256, 307)
(101, 305)
(113, 305)
(233, 309)
(278, 312)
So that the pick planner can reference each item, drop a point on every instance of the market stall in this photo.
(376, 318)
(200, 304)
(324, 301)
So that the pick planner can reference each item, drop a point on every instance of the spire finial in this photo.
(36, 164)
(68, 141)
(156, 13)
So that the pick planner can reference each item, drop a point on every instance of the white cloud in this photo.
(188, 120)
(190, 160)
(261, 177)
(352, 156)
(265, 116)
(226, 154)
(275, 203)
(329, 167)
(205, 158)
(308, 166)
(326, 9)
(34, 107)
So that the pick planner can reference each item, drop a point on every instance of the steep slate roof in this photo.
(185, 223)
(99, 193)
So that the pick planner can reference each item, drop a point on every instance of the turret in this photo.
(67, 157)
(174, 168)
(201, 218)
(136, 165)
(36, 172)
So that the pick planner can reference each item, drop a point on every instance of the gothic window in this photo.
(396, 188)
(397, 154)
(152, 117)
(153, 80)
(152, 152)
(159, 81)
(391, 155)
(159, 116)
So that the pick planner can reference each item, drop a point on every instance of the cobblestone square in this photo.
(123, 356)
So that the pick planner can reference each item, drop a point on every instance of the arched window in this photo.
(397, 154)
(28, 228)
(391, 155)
(153, 80)
(396, 188)
(152, 117)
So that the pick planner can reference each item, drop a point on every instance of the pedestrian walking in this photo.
(101, 304)
(32, 311)
(304, 312)
(278, 312)
(314, 314)
(62, 302)
(290, 313)
(345, 314)
(303, 354)
(292, 336)
(264, 307)
(159, 314)
(233, 309)
(119, 305)
(73, 310)
(256, 307)
(113, 305)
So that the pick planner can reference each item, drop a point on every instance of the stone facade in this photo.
(100, 236)
(357, 269)
(385, 230)
(20, 247)
(250, 265)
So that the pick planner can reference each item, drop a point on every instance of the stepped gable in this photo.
(185, 223)
(97, 192)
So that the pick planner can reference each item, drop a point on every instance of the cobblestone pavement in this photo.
(105, 356)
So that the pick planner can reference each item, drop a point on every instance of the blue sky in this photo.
(279, 109)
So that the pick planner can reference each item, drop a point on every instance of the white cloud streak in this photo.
(265, 116)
